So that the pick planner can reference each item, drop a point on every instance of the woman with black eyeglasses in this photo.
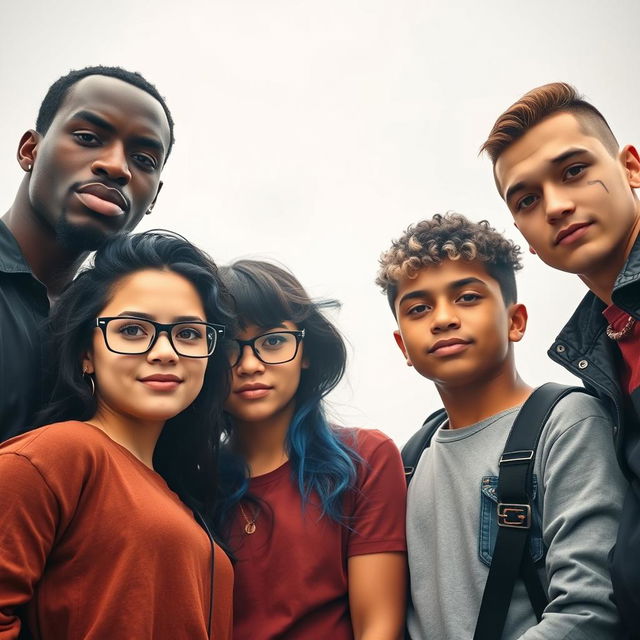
(313, 513)
(103, 530)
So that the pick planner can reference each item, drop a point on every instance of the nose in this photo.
(162, 351)
(112, 163)
(444, 318)
(248, 363)
(558, 204)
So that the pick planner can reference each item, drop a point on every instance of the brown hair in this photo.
(540, 103)
(449, 237)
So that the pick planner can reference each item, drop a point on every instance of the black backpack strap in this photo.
(419, 441)
(515, 496)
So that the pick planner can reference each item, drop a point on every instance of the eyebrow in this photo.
(147, 316)
(95, 119)
(559, 159)
(452, 286)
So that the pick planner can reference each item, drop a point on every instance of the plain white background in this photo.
(312, 133)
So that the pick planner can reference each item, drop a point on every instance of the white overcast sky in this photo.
(314, 132)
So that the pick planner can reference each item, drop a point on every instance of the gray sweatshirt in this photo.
(452, 525)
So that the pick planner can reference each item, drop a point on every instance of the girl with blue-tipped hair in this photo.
(313, 513)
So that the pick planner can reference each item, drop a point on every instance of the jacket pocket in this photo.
(489, 521)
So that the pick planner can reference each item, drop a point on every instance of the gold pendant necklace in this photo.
(250, 525)
(624, 332)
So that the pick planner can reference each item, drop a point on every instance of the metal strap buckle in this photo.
(522, 455)
(516, 516)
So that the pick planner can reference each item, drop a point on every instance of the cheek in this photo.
(197, 371)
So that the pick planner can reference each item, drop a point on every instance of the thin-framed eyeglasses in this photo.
(274, 347)
(129, 335)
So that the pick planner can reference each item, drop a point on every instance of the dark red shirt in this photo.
(629, 347)
(291, 574)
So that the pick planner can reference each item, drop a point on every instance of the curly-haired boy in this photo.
(451, 286)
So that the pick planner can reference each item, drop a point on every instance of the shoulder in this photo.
(578, 407)
(374, 449)
(63, 445)
(579, 425)
(365, 441)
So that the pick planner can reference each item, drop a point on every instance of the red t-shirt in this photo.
(629, 347)
(291, 574)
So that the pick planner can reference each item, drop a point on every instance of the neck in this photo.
(51, 263)
(467, 404)
(262, 443)
(604, 276)
(138, 437)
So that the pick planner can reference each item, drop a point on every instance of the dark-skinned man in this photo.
(92, 169)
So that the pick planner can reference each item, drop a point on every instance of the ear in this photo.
(518, 317)
(28, 148)
(305, 363)
(87, 363)
(631, 163)
(153, 202)
(400, 342)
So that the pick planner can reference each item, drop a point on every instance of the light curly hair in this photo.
(449, 237)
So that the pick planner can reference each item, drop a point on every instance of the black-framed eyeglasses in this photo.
(274, 347)
(129, 335)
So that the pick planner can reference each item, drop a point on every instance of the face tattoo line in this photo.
(604, 186)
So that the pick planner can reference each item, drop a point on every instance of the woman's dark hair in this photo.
(322, 460)
(187, 450)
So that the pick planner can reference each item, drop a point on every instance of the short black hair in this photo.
(58, 91)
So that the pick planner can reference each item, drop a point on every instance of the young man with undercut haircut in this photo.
(92, 169)
(570, 189)
(451, 287)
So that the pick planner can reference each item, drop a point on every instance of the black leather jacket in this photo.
(584, 349)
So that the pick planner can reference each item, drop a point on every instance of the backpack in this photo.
(514, 511)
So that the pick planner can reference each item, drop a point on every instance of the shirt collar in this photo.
(11, 258)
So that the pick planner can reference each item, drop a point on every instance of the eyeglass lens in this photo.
(271, 348)
(135, 336)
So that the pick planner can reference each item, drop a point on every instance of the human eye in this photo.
(573, 171)
(418, 309)
(526, 202)
(147, 162)
(86, 138)
(133, 331)
(469, 298)
(188, 334)
(273, 341)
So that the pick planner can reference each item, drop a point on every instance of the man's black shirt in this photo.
(24, 308)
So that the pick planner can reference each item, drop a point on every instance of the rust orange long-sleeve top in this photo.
(94, 545)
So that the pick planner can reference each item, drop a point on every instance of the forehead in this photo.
(116, 101)
(154, 291)
(535, 150)
(442, 277)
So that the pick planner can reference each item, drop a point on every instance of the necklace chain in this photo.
(624, 332)
(250, 525)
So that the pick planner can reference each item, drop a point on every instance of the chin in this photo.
(88, 235)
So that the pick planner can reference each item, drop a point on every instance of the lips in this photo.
(161, 381)
(251, 391)
(105, 200)
(572, 232)
(449, 346)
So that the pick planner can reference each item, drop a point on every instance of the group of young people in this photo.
(168, 469)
